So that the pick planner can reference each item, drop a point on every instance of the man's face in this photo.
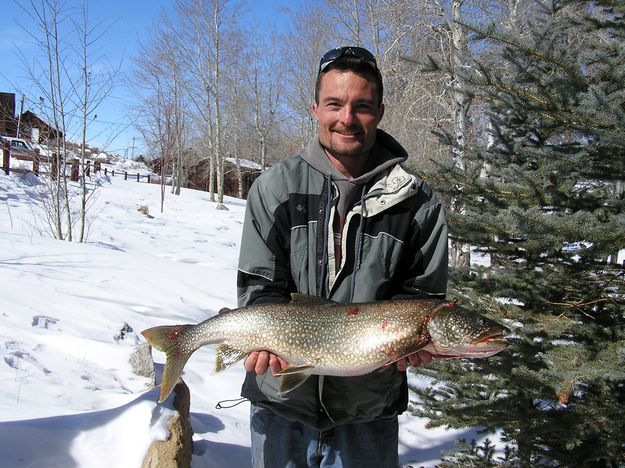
(348, 113)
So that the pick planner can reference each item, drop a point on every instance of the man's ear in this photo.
(381, 112)
(313, 110)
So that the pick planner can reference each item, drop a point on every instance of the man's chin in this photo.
(348, 150)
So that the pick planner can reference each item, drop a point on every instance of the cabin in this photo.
(197, 175)
(29, 125)
(39, 131)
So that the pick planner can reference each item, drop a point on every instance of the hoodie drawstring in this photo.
(359, 242)
(326, 228)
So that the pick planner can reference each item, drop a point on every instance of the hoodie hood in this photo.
(386, 153)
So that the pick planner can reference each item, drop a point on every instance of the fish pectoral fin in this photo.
(308, 299)
(292, 377)
(407, 352)
(227, 356)
(289, 382)
(290, 370)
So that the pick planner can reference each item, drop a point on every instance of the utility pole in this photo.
(19, 117)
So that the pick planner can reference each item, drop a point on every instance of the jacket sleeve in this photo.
(264, 273)
(425, 264)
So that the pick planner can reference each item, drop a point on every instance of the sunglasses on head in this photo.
(340, 52)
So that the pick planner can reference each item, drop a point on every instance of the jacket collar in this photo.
(390, 190)
(386, 153)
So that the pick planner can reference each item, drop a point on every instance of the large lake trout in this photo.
(318, 336)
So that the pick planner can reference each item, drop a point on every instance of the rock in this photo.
(141, 362)
(143, 209)
(176, 451)
(126, 332)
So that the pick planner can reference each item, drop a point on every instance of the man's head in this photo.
(355, 59)
(348, 105)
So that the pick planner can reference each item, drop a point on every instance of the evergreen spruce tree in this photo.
(542, 201)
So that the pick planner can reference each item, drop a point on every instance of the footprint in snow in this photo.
(43, 321)
(22, 360)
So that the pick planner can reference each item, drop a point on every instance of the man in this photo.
(341, 220)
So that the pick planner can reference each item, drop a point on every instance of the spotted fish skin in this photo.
(318, 336)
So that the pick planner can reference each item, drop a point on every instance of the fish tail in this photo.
(176, 343)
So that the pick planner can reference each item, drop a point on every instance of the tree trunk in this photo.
(460, 254)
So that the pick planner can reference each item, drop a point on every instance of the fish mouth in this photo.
(496, 341)
(488, 346)
(493, 339)
(481, 348)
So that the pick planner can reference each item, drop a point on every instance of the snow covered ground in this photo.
(68, 396)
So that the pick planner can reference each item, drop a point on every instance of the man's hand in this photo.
(420, 358)
(260, 361)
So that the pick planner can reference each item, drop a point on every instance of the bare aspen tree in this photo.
(163, 132)
(155, 129)
(238, 105)
(265, 91)
(348, 14)
(304, 45)
(170, 59)
(178, 133)
(50, 25)
(47, 16)
(196, 24)
(69, 92)
(157, 77)
(90, 90)
(204, 26)
(235, 131)
(214, 66)
(460, 253)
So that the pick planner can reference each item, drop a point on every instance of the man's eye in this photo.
(364, 107)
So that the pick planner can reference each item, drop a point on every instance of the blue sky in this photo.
(129, 21)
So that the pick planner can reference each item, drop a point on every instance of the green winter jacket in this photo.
(393, 243)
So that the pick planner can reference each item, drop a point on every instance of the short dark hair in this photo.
(357, 66)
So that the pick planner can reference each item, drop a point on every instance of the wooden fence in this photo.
(136, 176)
(55, 162)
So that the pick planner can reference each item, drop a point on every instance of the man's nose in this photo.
(347, 115)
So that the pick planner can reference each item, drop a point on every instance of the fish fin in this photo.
(290, 382)
(170, 340)
(413, 349)
(227, 356)
(291, 370)
(223, 310)
(307, 298)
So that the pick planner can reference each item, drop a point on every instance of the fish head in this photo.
(458, 332)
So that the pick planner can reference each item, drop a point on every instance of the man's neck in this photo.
(351, 167)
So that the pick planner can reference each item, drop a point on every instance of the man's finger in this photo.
(250, 361)
(415, 360)
(276, 363)
(262, 363)
(425, 357)
(420, 358)
(402, 365)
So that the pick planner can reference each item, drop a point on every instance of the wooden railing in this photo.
(54, 162)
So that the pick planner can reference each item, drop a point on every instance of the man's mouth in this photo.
(348, 133)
